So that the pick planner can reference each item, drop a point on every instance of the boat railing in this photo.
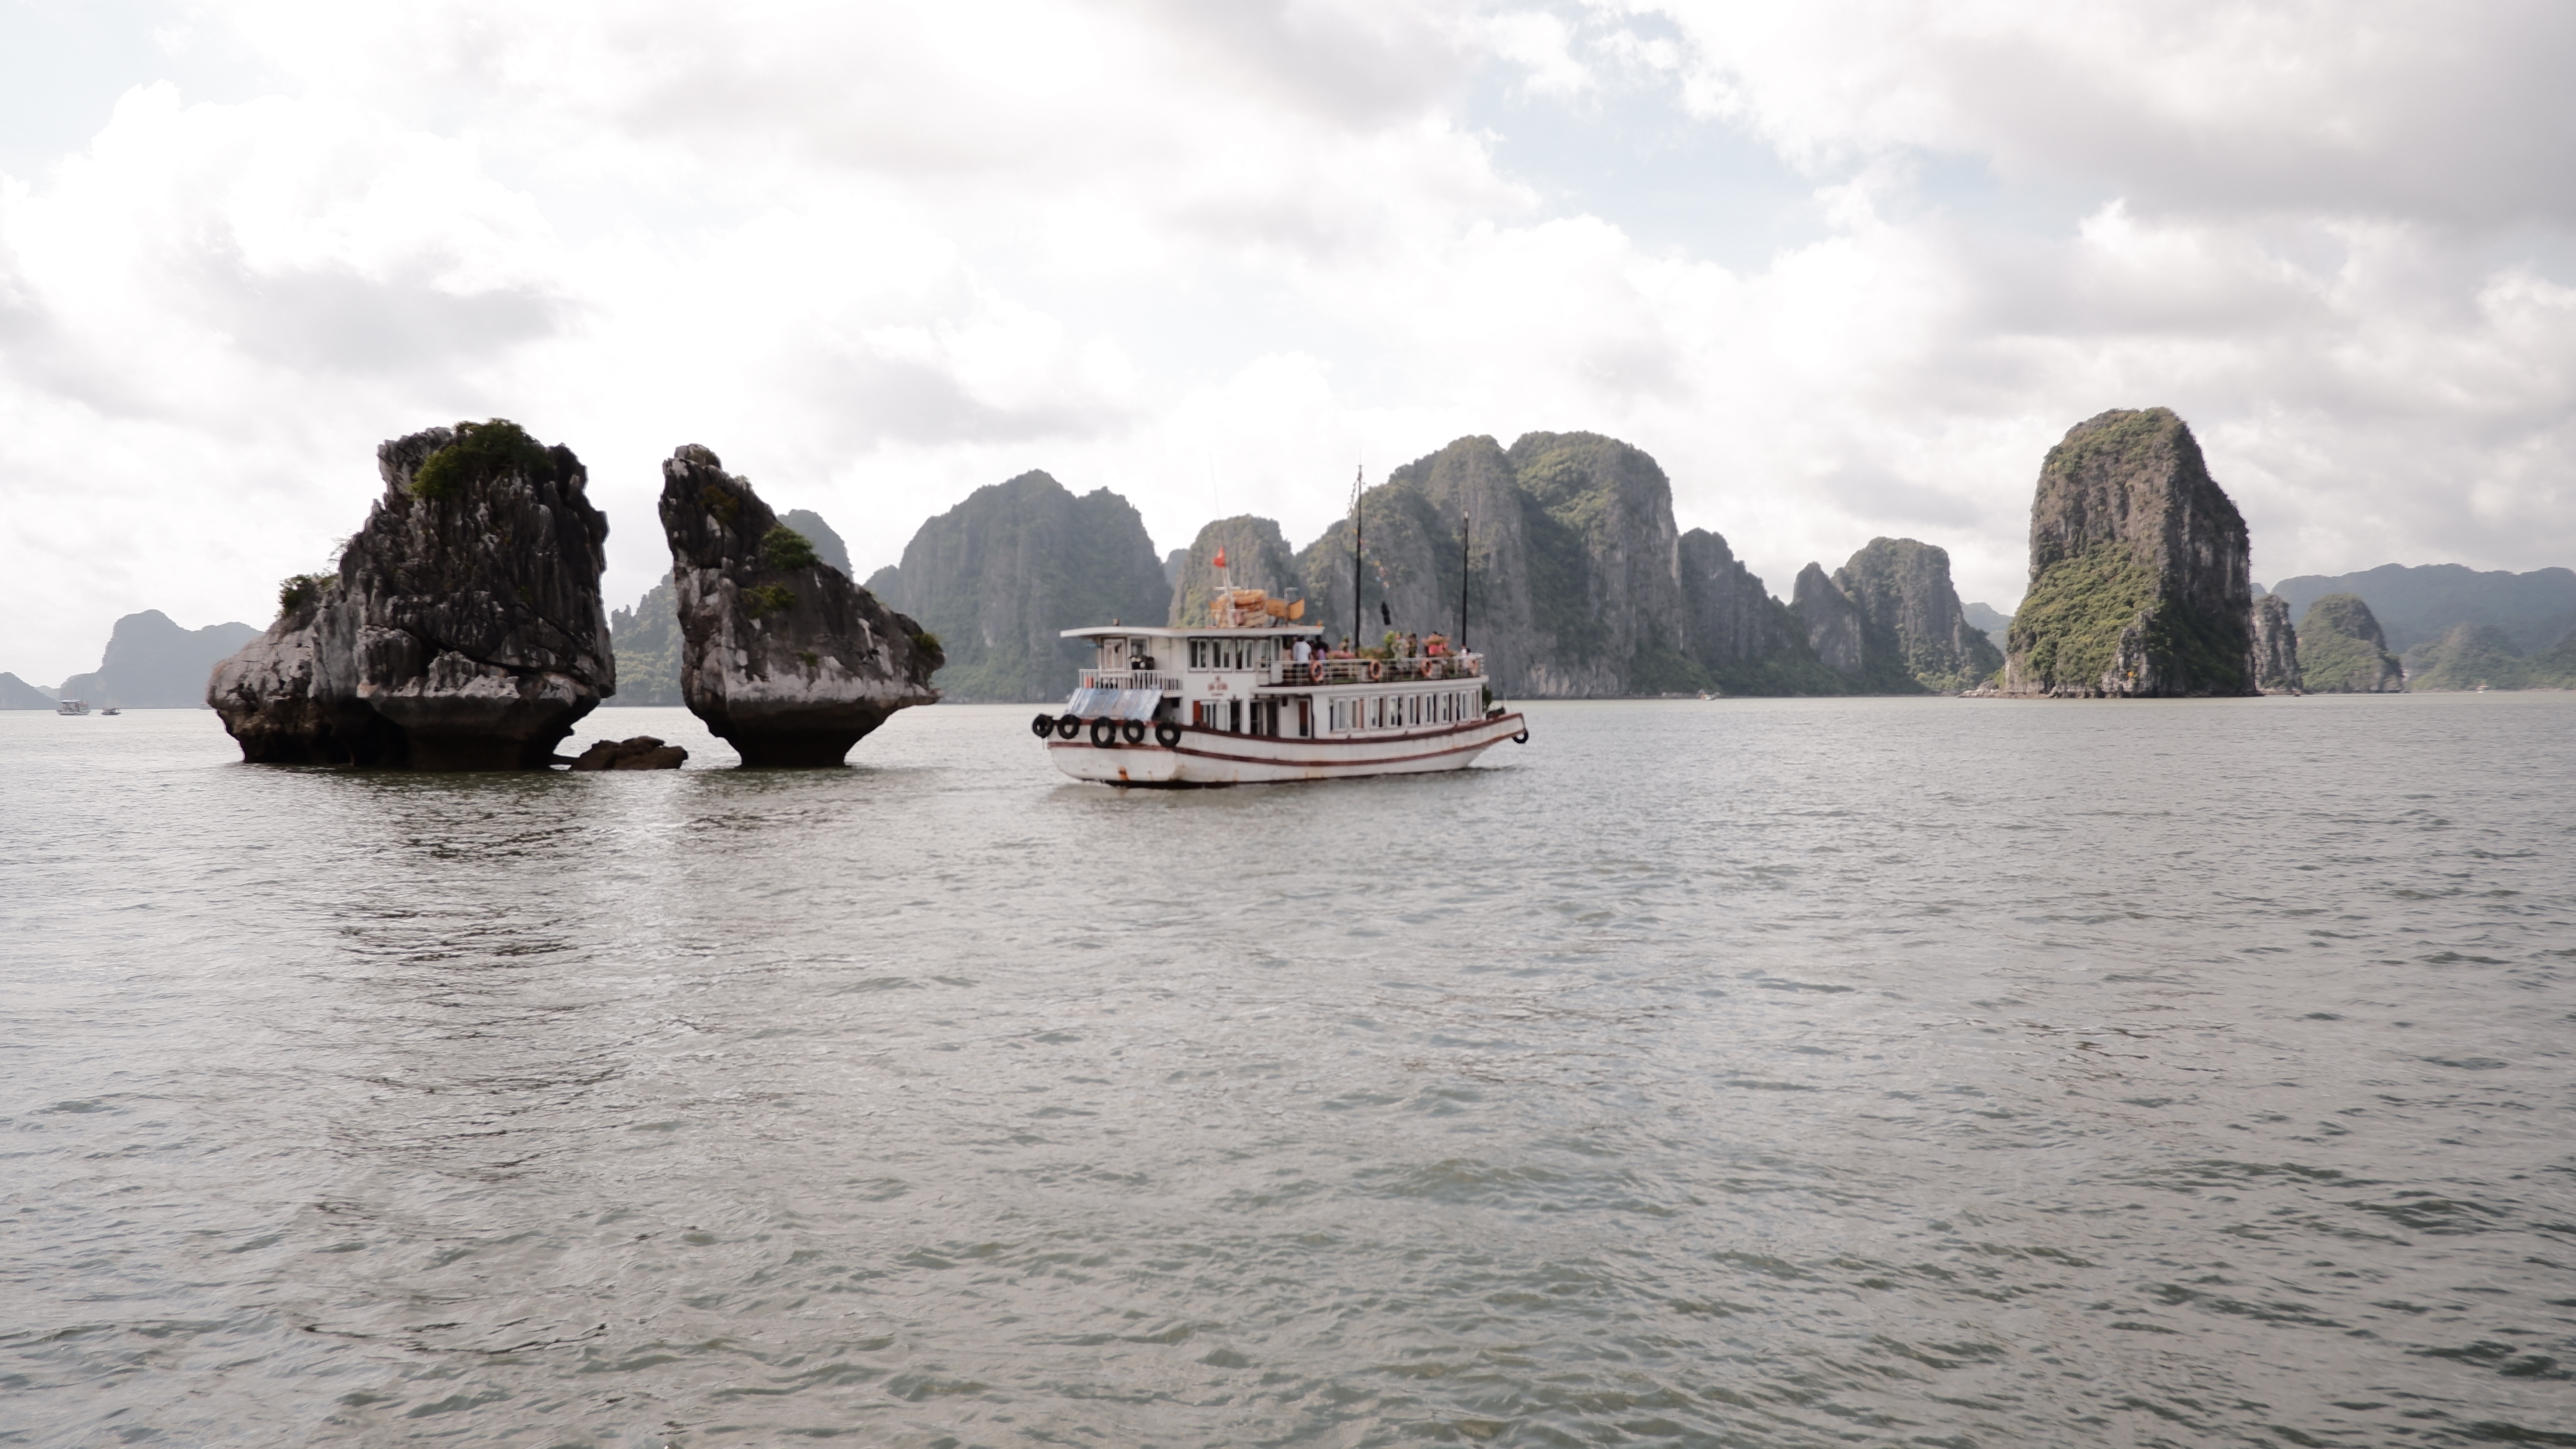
(1378, 671)
(1130, 679)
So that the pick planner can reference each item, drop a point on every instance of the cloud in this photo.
(1214, 255)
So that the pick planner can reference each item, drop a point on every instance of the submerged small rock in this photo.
(782, 656)
(463, 630)
(641, 752)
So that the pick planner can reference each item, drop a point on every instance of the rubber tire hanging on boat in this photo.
(1042, 726)
(1104, 732)
(1522, 738)
(1134, 730)
(1068, 726)
(1167, 734)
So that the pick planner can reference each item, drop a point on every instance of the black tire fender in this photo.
(1523, 737)
(1133, 731)
(1104, 732)
(1067, 726)
(1167, 734)
(1042, 726)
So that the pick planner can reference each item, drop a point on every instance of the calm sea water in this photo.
(1763, 1073)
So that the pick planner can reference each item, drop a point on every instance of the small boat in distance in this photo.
(71, 706)
(1253, 697)
(111, 709)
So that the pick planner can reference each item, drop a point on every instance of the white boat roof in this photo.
(1202, 631)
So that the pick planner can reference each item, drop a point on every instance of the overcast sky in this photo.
(1845, 269)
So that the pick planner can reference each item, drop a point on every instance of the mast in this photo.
(1358, 476)
(1466, 528)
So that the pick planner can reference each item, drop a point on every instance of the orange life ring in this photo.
(1376, 670)
(1434, 669)
(1314, 671)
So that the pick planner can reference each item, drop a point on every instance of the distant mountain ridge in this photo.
(153, 663)
(2418, 605)
(16, 693)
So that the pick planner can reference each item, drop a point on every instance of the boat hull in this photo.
(1214, 757)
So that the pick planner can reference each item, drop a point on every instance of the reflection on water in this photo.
(1759, 1073)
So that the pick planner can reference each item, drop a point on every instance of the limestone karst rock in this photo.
(1911, 610)
(640, 752)
(16, 693)
(2276, 647)
(2342, 651)
(463, 630)
(1833, 621)
(1578, 582)
(647, 637)
(782, 656)
(153, 663)
(1256, 557)
(2138, 582)
(1002, 574)
(2470, 656)
(2419, 605)
(1747, 641)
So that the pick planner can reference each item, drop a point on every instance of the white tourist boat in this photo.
(1231, 704)
(71, 706)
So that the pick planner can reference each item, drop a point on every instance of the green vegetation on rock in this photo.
(300, 589)
(786, 550)
(762, 600)
(2068, 627)
(2341, 650)
(482, 451)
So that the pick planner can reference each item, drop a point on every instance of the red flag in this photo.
(1220, 555)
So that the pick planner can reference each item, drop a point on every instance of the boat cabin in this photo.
(1247, 679)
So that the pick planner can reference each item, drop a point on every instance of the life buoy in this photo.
(1434, 669)
(1167, 734)
(1315, 671)
(1134, 731)
(1376, 670)
(1068, 726)
(1104, 732)
(1042, 726)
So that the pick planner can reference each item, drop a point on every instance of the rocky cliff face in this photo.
(1256, 556)
(152, 663)
(2138, 582)
(1574, 578)
(1914, 618)
(1832, 620)
(1746, 641)
(463, 630)
(647, 637)
(2276, 647)
(1001, 575)
(2341, 650)
(782, 656)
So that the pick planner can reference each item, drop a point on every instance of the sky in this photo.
(1845, 268)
